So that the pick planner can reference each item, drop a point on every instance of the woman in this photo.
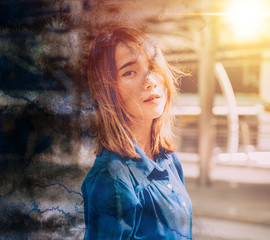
(135, 190)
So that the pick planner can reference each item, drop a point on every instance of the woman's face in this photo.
(140, 86)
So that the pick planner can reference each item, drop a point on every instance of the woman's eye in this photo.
(151, 67)
(128, 73)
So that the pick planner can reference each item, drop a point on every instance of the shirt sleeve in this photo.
(109, 208)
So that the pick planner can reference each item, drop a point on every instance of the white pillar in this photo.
(264, 118)
(206, 90)
(265, 78)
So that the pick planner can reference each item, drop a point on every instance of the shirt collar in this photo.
(144, 167)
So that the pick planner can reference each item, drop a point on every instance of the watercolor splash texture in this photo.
(47, 129)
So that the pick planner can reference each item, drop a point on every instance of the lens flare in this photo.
(247, 18)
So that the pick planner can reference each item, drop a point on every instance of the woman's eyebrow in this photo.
(127, 64)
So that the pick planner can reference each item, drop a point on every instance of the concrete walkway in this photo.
(230, 211)
(219, 229)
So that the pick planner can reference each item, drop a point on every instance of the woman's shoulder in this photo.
(108, 177)
(109, 166)
(178, 166)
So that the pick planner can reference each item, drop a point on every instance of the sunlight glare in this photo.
(247, 18)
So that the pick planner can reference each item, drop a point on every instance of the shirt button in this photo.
(169, 186)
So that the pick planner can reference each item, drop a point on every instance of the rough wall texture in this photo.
(46, 131)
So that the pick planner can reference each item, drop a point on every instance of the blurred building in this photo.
(47, 128)
(194, 36)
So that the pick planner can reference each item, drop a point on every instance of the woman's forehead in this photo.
(131, 48)
(129, 51)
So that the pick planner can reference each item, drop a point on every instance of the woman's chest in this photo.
(166, 205)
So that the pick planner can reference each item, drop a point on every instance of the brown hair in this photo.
(111, 114)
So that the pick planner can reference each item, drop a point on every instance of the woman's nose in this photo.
(150, 81)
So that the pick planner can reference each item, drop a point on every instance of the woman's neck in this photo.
(141, 132)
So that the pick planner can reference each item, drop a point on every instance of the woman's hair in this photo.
(112, 115)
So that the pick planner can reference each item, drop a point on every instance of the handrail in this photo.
(226, 87)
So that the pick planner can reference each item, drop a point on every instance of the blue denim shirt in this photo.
(136, 198)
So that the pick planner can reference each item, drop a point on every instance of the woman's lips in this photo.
(151, 98)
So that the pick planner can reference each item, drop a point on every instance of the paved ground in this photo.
(218, 229)
(227, 211)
